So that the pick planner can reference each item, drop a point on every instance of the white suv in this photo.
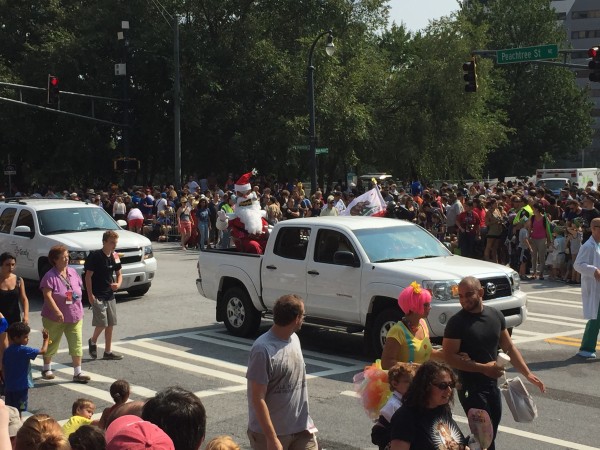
(29, 227)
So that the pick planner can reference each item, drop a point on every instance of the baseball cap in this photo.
(133, 433)
(14, 421)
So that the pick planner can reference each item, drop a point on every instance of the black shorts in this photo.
(525, 255)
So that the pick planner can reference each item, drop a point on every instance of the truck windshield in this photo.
(399, 243)
(69, 220)
(553, 185)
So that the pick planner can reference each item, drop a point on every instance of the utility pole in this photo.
(124, 36)
(176, 105)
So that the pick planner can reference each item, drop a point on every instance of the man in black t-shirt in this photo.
(102, 279)
(478, 331)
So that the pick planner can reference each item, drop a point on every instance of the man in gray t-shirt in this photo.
(277, 394)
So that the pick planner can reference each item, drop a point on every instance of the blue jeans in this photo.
(225, 237)
(203, 231)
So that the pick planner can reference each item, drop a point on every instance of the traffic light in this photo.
(53, 90)
(594, 64)
(470, 68)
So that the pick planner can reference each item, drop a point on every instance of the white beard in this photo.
(251, 217)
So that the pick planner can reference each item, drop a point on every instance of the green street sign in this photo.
(524, 54)
(322, 150)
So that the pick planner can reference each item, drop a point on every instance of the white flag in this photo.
(371, 203)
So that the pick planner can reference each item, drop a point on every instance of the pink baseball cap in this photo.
(133, 433)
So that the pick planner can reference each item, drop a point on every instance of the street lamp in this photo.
(329, 49)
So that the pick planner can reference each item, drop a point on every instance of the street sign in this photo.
(10, 169)
(321, 150)
(524, 54)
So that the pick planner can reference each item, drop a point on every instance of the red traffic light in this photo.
(53, 81)
(593, 52)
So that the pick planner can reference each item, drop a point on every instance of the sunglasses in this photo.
(443, 385)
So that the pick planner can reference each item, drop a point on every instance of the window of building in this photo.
(585, 34)
(561, 16)
(594, 14)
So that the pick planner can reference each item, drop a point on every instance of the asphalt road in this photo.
(169, 337)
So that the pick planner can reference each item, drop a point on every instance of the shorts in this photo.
(135, 223)
(72, 332)
(105, 313)
(17, 399)
(185, 227)
(305, 440)
(524, 255)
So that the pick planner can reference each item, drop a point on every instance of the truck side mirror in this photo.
(24, 231)
(345, 258)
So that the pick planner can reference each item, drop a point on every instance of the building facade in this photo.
(581, 19)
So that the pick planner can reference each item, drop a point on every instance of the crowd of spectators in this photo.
(479, 220)
(174, 419)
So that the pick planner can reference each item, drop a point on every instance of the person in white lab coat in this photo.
(588, 265)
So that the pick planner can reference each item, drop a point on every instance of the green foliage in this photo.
(387, 100)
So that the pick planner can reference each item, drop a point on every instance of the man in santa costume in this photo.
(247, 224)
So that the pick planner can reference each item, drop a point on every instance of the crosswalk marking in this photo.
(569, 341)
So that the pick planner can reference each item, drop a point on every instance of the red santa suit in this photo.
(248, 227)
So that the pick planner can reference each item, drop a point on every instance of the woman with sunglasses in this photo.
(424, 421)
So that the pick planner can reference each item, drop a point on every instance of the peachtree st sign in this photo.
(517, 55)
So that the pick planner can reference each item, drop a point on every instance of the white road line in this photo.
(554, 322)
(181, 365)
(518, 331)
(339, 359)
(572, 291)
(555, 300)
(562, 318)
(545, 302)
(514, 431)
(542, 337)
(191, 356)
(87, 388)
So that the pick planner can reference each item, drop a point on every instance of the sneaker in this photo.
(525, 278)
(92, 349)
(81, 378)
(112, 356)
(585, 354)
(48, 375)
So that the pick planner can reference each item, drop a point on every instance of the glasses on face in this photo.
(444, 385)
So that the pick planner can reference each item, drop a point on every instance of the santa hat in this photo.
(243, 183)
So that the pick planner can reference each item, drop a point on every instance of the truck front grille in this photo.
(495, 287)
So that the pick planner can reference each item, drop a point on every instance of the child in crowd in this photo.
(557, 255)
(82, 410)
(119, 391)
(87, 437)
(222, 443)
(15, 363)
(574, 238)
(400, 376)
(523, 248)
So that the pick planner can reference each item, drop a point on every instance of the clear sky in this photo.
(416, 13)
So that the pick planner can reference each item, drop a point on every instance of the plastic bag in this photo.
(373, 388)
(518, 400)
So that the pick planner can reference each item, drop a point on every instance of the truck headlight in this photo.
(148, 252)
(444, 290)
(516, 280)
(77, 257)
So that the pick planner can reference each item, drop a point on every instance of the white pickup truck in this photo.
(349, 271)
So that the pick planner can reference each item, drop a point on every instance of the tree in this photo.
(548, 113)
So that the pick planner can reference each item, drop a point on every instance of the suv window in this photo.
(68, 220)
(292, 242)
(329, 242)
(6, 219)
(26, 219)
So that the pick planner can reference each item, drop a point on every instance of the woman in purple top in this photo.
(62, 312)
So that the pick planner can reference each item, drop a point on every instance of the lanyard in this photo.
(66, 281)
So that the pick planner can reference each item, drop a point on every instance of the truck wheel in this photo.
(381, 325)
(138, 291)
(241, 317)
